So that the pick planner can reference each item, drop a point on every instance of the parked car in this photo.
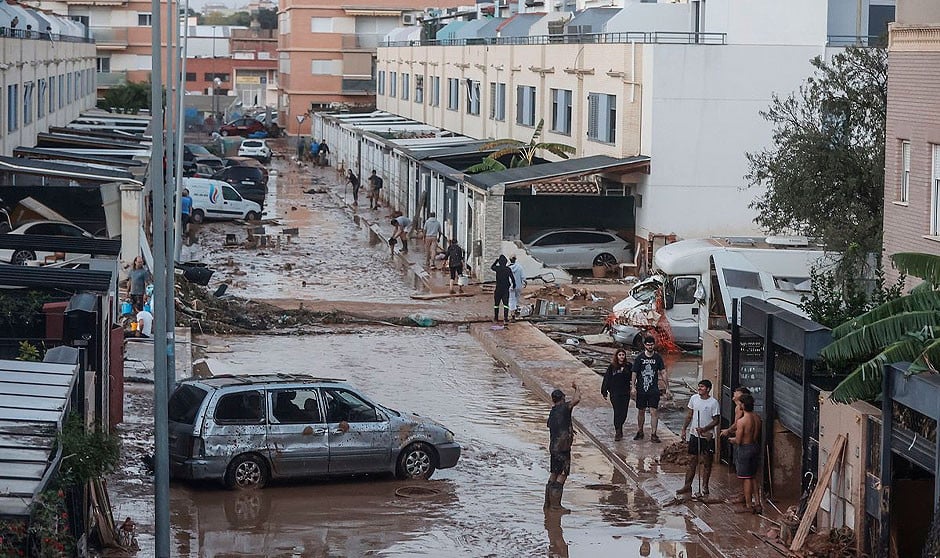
(195, 154)
(247, 430)
(47, 228)
(246, 162)
(241, 127)
(214, 199)
(248, 181)
(256, 149)
(578, 248)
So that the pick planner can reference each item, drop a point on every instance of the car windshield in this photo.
(645, 292)
(199, 150)
(253, 143)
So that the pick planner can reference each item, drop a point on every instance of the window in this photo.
(229, 194)
(103, 64)
(321, 25)
(41, 100)
(525, 105)
(51, 94)
(144, 19)
(405, 86)
(498, 101)
(561, 111)
(904, 188)
(68, 88)
(435, 91)
(554, 239)
(61, 90)
(190, 76)
(208, 76)
(393, 84)
(240, 408)
(473, 97)
(453, 93)
(184, 404)
(296, 406)
(380, 85)
(602, 117)
(684, 289)
(935, 192)
(13, 96)
(342, 405)
(419, 88)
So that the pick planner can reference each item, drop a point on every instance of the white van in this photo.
(214, 199)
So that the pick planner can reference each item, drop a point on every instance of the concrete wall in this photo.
(768, 22)
(701, 115)
(914, 116)
(918, 12)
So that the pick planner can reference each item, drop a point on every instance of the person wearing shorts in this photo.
(647, 367)
(561, 432)
(747, 452)
(705, 413)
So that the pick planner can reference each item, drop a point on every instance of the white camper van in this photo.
(698, 281)
(214, 199)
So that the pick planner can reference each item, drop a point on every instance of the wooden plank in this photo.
(435, 296)
(835, 456)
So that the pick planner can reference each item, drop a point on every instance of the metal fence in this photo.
(33, 34)
(655, 37)
(857, 40)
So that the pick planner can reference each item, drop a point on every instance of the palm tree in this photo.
(906, 329)
(522, 153)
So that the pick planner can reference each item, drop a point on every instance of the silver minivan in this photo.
(247, 430)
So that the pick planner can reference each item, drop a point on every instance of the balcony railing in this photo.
(363, 40)
(111, 79)
(108, 36)
(660, 37)
(32, 34)
(358, 86)
(880, 41)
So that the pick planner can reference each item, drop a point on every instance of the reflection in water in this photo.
(557, 547)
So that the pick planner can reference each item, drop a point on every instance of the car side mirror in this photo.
(669, 300)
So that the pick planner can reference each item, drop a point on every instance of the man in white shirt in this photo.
(704, 415)
(515, 294)
(432, 233)
(144, 324)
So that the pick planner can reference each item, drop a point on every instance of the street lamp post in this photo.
(217, 83)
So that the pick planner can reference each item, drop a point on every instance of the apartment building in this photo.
(243, 59)
(46, 78)
(327, 51)
(682, 84)
(912, 132)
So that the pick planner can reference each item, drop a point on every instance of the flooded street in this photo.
(490, 504)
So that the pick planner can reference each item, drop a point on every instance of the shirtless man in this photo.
(747, 452)
(738, 413)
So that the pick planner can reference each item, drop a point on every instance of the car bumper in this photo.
(624, 334)
(448, 455)
(197, 469)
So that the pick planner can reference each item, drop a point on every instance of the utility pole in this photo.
(160, 388)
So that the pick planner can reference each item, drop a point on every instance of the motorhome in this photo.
(696, 282)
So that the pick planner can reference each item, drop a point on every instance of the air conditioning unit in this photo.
(409, 19)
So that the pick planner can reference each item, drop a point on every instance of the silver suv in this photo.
(247, 430)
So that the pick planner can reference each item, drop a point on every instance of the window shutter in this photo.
(492, 101)
(936, 162)
(520, 104)
(593, 110)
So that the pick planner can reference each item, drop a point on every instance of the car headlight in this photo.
(448, 435)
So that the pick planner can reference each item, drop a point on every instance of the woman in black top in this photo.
(617, 384)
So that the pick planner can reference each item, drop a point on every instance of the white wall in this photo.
(768, 22)
(705, 104)
(651, 17)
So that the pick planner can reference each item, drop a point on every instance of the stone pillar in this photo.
(492, 232)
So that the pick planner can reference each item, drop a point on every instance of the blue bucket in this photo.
(126, 308)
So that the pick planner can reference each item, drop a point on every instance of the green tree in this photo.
(522, 153)
(129, 98)
(906, 329)
(823, 175)
(267, 18)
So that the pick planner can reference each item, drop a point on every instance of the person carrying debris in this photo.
(402, 226)
(561, 436)
(354, 181)
(515, 294)
(616, 383)
(432, 233)
(323, 153)
(706, 414)
(455, 260)
(505, 282)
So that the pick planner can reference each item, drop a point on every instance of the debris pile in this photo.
(677, 453)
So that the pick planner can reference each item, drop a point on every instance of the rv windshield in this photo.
(645, 291)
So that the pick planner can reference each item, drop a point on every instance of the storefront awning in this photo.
(550, 176)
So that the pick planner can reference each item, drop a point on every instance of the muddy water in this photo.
(329, 259)
(489, 505)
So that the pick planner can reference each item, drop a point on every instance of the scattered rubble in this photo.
(677, 453)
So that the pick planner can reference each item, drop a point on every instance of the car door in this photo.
(549, 249)
(360, 440)
(683, 309)
(298, 443)
(236, 424)
(232, 203)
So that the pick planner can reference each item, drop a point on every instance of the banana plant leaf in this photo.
(872, 338)
(864, 382)
(919, 300)
(924, 266)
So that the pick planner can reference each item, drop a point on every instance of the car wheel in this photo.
(637, 341)
(252, 216)
(605, 259)
(197, 216)
(416, 462)
(224, 132)
(20, 257)
(246, 472)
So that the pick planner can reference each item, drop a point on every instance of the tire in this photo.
(246, 472)
(197, 216)
(252, 216)
(20, 257)
(416, 462)
(605, 259)
(638, 341)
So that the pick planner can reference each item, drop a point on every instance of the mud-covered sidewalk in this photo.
(543, 366)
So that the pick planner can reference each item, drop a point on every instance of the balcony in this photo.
(366, 41)
(108, 38)
(356, 86)
(111, 79)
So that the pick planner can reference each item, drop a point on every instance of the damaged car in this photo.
(244, 431)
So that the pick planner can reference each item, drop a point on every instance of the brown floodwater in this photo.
(490, 504)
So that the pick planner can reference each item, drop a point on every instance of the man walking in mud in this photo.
(704, 415)
(561, 431)
(747, 451)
